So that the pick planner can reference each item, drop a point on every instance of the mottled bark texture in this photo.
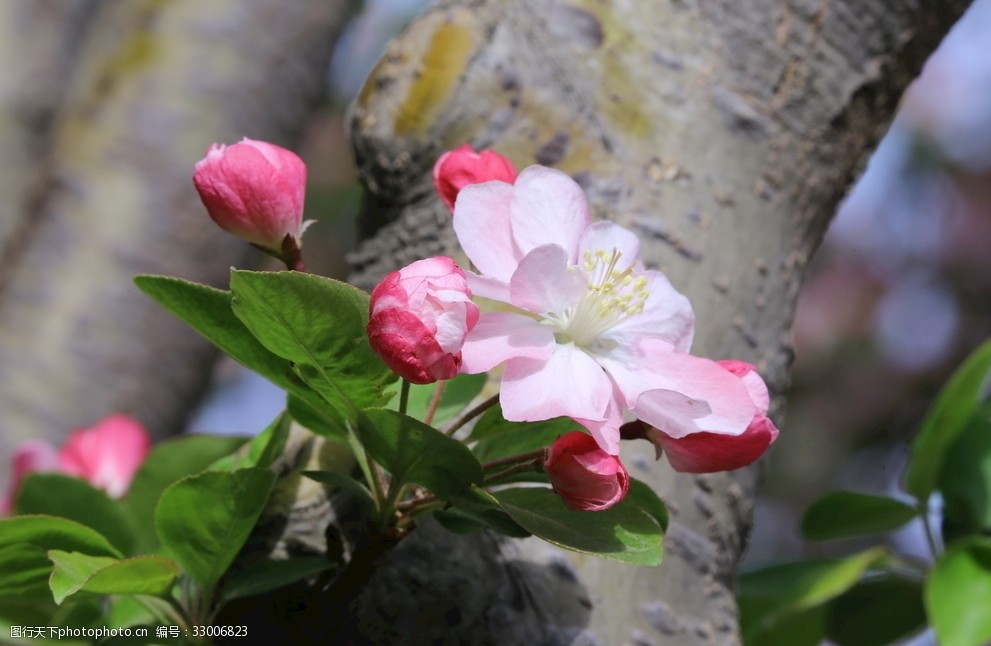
(104, 108)
(724, 132)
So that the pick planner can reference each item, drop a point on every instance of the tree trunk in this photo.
(724, 133)
(104, 108)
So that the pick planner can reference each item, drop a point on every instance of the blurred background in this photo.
(896, 297)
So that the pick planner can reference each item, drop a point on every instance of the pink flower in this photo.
(30, 456)
(419, 317)
(708, 452)
(463, 166)
(254, 190)
(586, 477)
(106, 455)
(590, 333)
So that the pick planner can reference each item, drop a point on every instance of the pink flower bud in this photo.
(254, 190)
(710, 452)
(462, 166)
(106, 455)
(419, 317)
(586, 477)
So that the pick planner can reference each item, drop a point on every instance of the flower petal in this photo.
(547, 207)
(697, 379)
(542, 282)
(482, 224)
(608, 236)
(667, 315)
(501, 336)
(569, 384)
(709, 452)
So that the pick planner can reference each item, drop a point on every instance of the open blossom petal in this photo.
(501, 336)
(543, 283)
(667, 315)
(607, 236)
(568, 384)
(482, 224)
(548, 207)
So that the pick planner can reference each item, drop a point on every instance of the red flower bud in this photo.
(710, 452)
(586, 477)
(419, 317)
(254, 190)
(462, 166)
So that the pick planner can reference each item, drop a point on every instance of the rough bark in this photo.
(724, 133)
(104, 108)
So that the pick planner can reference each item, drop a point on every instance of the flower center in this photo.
(612, 296)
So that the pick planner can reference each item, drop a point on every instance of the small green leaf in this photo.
(347, 483)
(414, 452)
(204, 520)
(24, 572)
(647, 500)
(769, 596)
(75, 572)
(958, 402)
(965, 480)
(458, 393)
(476, 509)
(624, 532)
(55, 494)
(52, 533)
(168, 462)
(841, 514)
(958, 594)
(877, 611)
(319, 325)
(267, 575)
(496, 438)
(318, 416)
(262, 450)
(208, 311)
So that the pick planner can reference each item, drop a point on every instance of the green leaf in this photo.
(347, 483)
(957, 403)
(208, 311)
(204, 520)
(52, 533)
(496, 438)
(319, 325)
(476, 509)
(458, 393)
(648, 501)
(267, 575)
(965, 480)
(24, 572)
(55, 494)
(168, 462)
(624, 532)
(771, 595)
(958, 594)
(877, 611)
(75, 572)
(841, 514)
(315, 414)
(414, 452)
(262, 450)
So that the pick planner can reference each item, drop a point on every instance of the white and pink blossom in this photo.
(589, 332)
(419, 317)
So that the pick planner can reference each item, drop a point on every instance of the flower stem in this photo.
(494, 478)
(434, 402)
(404, 396)
(513, 459)
(472, 414)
